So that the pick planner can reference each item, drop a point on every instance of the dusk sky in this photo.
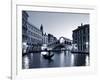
(58, 24)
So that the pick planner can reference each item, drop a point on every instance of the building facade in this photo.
(81, 38)
(45, 38)
(31, 36)
(51, 38)
(34, 35)
(24, 26)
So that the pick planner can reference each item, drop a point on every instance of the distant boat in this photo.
(46, 52)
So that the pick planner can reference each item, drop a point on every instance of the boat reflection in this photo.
(47, 55)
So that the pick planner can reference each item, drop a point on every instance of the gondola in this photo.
(47, 56)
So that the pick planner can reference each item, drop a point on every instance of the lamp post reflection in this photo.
(87, 46)
(26, 62)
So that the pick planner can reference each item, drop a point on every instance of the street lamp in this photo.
(24, 47)
(74, 47)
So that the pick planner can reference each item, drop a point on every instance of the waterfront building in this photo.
(31, 35)
(51, 38)
(81, 38)
(34, 35)
(24, 26)
(45, 38)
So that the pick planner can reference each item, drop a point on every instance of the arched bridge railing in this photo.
(66, 42)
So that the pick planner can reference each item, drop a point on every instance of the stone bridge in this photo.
(62, 42)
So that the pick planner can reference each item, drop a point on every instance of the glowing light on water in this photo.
(62, 59)
(26, 62)
(72, 59)
(87, 61)
(31, 55)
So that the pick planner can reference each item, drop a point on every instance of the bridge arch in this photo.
(65, 40)
(62, 42)
(62, 39)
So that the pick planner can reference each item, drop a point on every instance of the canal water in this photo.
(60, 59)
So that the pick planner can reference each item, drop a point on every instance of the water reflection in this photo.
(25, 62)
(87, 61)
(72, 60)
(60, 59)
